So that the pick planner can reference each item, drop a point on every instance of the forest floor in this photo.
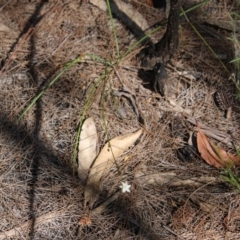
(170, 197)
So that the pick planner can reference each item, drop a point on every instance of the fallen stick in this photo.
(17, 231)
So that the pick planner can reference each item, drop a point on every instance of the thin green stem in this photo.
(113, 28)
(200, 36)
(101, 60)
(194, 7)
(106, 131)
(83, 116)
(69, 65)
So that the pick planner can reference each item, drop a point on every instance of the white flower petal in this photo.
(125, 187)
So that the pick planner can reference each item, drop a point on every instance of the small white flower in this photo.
(125, 187)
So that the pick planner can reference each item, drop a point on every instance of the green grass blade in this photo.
(205, 42)
(83, 116)
(113, 28)
(35, 99)
(101, 60)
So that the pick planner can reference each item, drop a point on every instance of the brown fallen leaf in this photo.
(85, 221)
(226, 156)
(149, 3)
(212, 154)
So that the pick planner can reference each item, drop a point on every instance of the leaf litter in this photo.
(67, 30)
(214, 155)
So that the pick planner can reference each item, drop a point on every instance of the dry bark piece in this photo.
(87, 150)
(110, 152)
(163, 50)
(126, 93)
(159, 74)
(157, 179)
(168, 87)
(170, 178)
(226, 98)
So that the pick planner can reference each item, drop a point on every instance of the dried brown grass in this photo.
(35, 162)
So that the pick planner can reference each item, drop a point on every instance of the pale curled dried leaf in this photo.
(111, 151)
(87, 150)
(226, 157)
(206, 150)
(4, 28)
(213, 155)
(128, 9)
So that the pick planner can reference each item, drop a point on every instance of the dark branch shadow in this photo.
(38, 116)
(31, 23)
(131, 25)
